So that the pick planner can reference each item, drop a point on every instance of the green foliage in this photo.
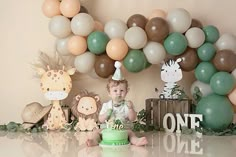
(179, 92)
(197, 95)
(140, 123)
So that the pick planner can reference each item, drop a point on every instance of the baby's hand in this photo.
(109, 112)
(130, 105)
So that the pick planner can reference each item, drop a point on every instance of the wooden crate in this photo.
(157, 108)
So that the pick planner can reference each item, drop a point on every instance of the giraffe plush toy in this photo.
(170, 74)
(56, 85)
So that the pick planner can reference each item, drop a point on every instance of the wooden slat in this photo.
(157, 108)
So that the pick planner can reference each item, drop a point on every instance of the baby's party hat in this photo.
(117, 75)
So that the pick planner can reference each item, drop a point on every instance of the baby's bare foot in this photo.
(91, 143)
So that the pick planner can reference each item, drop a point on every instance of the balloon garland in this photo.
(143, 41)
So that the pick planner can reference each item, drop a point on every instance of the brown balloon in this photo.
(83, 9)
(104, 66)
(137, 20)
(189, 59)
(225, 60)
(196, 23)
(157, 29)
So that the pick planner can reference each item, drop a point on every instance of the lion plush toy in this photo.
(86, 107)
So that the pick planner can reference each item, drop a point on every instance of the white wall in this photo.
(24, 31)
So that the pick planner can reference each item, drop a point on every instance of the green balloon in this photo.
(217, 112)
(222, 83)
(211, 33)
(175, 43)
(206, 51)
(97, 42)
(204, 71)
(135, 61)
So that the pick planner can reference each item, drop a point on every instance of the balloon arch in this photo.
(140, 42)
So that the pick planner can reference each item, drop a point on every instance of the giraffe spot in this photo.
(56, 116)
(59, 109)
(49, 74)
(54, 107)
(52, 125)
(61, 72)
(55, 75)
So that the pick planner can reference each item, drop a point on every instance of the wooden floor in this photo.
(72, 144)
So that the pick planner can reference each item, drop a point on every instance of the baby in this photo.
(118, 108)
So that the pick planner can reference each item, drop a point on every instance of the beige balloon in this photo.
(115, 28)
(195, 37)
(154, 52)
(59, 26)
(82, 24)
(135, 37)
(61, 46)
(84, 63)
(226, 41)
(179, 20)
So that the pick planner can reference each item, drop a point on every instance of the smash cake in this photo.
(114, 135)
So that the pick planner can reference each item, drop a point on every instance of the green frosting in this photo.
(114, 137)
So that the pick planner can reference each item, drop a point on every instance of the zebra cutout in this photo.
(170, 74)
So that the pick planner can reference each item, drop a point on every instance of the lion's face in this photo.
(87, 105)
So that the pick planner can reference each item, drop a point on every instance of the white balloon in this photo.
(115, 28)
(135, 37)
(154, 52)
(61, 46)
(179, 20)
(59, 26)
(82, 24)
(226, 41)
(204, 88)
(195, 37)
(84, 63)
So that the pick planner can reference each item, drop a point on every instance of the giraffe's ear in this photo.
(71, 71)
(40, 71)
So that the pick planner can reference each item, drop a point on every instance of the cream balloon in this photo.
(195, 37)
(84, 63)
(232, 96)
(226, 41)
(204, 88)
(77, 45)
(82, 24)
(179, 20)
(157, 13)
(51, 8)
(135, 37)
(154, 52)
(115, 28)
(70, 8)
(59, 26)
(61, 46)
